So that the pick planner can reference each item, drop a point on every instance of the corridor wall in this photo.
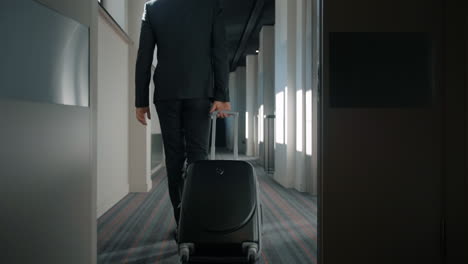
(266, 85)
(241, 106)
(48, 153)
(157, 146)
(456, 170)
(119, 11)
(125, 149)
(237, 92)
(391, 171)
(229, 122)
(139, 168)
(251, 102)
(281, 86)
(113, 105)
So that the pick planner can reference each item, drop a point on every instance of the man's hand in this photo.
(140, 114)
(221, 106)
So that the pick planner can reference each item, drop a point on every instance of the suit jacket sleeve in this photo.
(144, 61)
(220, 63)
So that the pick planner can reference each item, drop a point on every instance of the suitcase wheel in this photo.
(252, 254)
(184, 252)
(252, 259)
(261, 218)
(184, 256)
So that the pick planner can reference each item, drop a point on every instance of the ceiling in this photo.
(244, 19)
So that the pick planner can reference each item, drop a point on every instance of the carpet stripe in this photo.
(169, 225)
(285, 209)
(132, 221)
(290, 210)
(155, 234)
(304, 253)
(291, 201)
(159, 195)
(297, 232)
(296, 197)
(264, 258)
(144, 231)
(293, 196)
(273, 240)
(117, 223)
(111, 213)
(124, 217)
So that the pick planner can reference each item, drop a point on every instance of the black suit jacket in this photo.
(191, 51)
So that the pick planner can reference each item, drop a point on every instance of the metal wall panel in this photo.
(45, 183)
(45, 55)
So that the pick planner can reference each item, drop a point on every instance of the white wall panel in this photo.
(112, 117)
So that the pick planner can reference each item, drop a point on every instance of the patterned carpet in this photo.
(139, 229)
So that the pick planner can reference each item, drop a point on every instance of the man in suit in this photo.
(191, 79)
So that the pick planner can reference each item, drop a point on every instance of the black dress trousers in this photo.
(185, 125)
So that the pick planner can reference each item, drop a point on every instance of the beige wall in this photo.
(112, 181)
(119, 11)
(139, 135)
(124, 152)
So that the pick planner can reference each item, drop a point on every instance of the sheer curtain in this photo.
(293, 95)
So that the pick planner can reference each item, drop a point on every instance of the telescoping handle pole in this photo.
(214, 117)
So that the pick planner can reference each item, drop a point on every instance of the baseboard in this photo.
(156, 169)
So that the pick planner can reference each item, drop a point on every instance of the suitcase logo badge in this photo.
(219, 171)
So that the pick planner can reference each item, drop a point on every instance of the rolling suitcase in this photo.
(220, 220)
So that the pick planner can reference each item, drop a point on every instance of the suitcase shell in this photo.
(221, 215)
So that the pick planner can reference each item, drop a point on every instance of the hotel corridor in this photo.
(353, 114)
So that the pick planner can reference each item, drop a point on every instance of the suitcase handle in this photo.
(214, 117)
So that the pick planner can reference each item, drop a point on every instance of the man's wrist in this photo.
(221, 97)
(222, 100)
